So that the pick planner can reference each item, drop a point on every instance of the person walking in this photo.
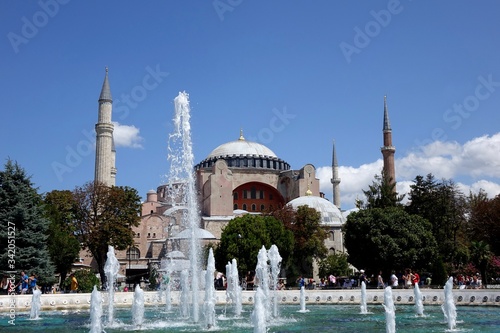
(74, 283)
(380, 281)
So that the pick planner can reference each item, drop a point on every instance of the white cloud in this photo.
(127, 136)
(477, 159)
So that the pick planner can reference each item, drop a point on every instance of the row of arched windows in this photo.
(253, 207)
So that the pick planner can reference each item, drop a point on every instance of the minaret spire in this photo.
(335, 178)
(388, 149)
(105, 170)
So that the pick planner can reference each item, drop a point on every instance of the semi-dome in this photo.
(330, 214)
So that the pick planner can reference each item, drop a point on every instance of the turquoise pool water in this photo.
(318, 318)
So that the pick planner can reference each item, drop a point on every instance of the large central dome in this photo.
(241, 147)
(244, 154)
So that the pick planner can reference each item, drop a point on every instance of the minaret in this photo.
(388, 149)
(105, 170)
(335, 178)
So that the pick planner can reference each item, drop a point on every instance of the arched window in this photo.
(254, 208)
(331, 236)
(262, 208)
(133, 253)
(331, 251)
(244, 207)
(235, 207)
(235, 196)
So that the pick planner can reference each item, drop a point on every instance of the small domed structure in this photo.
(330, 214)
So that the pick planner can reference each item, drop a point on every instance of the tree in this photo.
(244, 236)
(334, 264)
(305, 224)
(481, 256)
(63, 245)
(86, 281)
(382, 193)
(389, 239)
(444, 206)
(23, 235)
(105, 216)
(484, 220)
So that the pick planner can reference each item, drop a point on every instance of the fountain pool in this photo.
(320, 318)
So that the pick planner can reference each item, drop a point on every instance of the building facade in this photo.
(235, 178)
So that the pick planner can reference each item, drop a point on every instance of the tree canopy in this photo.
(105, 216)
(244, 236)
(63, 245)
(309, 236)
(387, 239)
(23, 236)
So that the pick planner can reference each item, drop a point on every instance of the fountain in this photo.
(111, 268)
(390, 311)
(275, 261)
(181, 170)
(302, 299)
(364, 309)
(259, 316)
(184, 294)
(449, 308)
(95, 311)
(262, 277)
(138, 307)
(36, 304)
(419, 305)
(233, 291)
(209, 305)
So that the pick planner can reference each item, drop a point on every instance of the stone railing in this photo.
(481, 297)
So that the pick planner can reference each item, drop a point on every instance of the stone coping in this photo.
(478, 297)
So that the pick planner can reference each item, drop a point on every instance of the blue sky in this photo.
(295, 76)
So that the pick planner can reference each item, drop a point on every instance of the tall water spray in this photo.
(275, 261)
(181, 159)
(233, 291)
(36, 304)
(209, 305)
(259, 317)
(449, 308)
(95, 311)
(419, 305)
(262, 274)
(364, 309)
(111, 269)
(302, 299)
(167, 286)
(138, 307)
(390, 311)
(184, 298)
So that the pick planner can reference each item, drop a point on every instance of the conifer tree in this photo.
(23, 231)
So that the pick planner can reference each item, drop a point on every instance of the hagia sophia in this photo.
(237, 177)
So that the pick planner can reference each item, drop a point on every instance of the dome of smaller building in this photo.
(330, 214)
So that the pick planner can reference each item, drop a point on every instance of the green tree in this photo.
(481, 256)
(484, 220)
(382, 193)
(309, 236)
(386, 239)
(105, 216)
(86, 281)
(23, 233)
(444, 206)
(63, 245)
(244, 236)
(334, 264)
